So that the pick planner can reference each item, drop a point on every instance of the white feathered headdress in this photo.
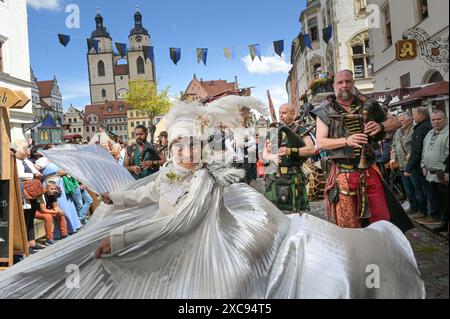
(194, 119)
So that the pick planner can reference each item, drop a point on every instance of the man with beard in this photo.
(141, 159)
(354, 196)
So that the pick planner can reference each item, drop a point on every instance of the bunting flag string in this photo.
(92, 43)
(148, 53)
(255, 51)
(278, 47)
(327, 33)
(229, 53)
(175, 55)
(202, 54)
(64, 39)
(121, 48)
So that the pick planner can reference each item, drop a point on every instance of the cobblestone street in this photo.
(431, 251)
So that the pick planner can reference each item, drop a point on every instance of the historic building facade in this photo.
(74, 122)
(15, 61)
(410, 43)
(111, 72)
(334, 37)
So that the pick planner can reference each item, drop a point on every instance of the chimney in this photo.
(236, 84)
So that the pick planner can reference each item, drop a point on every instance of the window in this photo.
(44, 135)
(422, 9)
(131, 114)
(103, 93)
(87, 129)
(362, 60)
(93, 129)
(74, 120)
(116, 128)
(1, 56)
(132, 124)
(387, 26)
(405, 80)
(140, 66)
(70, 120)
(138, 123)
(89, 119)
(313, 30)
(101, 69)
(79, 130)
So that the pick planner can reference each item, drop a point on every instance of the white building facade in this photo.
(15, 60)
(347, 48)
(427, 22)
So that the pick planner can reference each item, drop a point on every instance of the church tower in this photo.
(101, 65)
(139, 37)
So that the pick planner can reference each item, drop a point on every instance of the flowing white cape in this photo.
(224, 241)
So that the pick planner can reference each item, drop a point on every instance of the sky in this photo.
(212, 24)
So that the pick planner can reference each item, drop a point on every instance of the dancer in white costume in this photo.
(191, 231)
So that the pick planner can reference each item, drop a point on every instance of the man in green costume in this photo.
(286, 188)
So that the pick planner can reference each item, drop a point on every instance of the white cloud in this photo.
(277, 93)
(54, 5)
(74, 90)
(267, 65)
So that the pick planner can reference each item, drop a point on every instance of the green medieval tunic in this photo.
(286, 188)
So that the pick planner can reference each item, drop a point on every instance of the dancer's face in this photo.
(186, 152)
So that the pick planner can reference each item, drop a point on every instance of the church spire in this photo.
(138, 28)
(100, 31)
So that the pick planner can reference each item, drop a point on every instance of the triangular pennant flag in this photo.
(255, 51)
(229, 53)
(305, 41)
(327, 33)
(92, 43)
(278, 47)
(148, 53)
(64, 39)
(175, 55)
(122, 48)
(202, 55)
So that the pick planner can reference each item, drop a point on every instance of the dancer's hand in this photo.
(104, 248)
(106, 199)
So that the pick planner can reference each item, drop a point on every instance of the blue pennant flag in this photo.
(64, 39)
(278, 47)
(305, 41)
(148, 53)
(92, 43)
(202, 55)
(255, 51)
(175, 55)
(122, 48)
(327, 33)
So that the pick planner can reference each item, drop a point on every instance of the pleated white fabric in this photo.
(223, 241)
